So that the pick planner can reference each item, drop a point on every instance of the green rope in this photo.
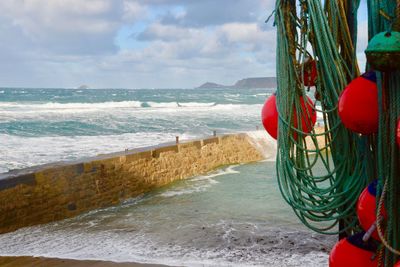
(323, 184)
(388, 160)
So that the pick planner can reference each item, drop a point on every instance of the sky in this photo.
(137, 43)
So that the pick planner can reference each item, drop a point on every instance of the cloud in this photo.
(362, 44)
(210, 13)
(167, 33)
(70, 26)
(130, 43)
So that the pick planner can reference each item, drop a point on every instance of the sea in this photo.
(233, 216)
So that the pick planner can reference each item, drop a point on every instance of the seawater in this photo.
(231, 217)
(45, 125)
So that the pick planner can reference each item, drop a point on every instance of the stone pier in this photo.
(57, 191)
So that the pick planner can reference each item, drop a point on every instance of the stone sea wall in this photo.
(57, 191)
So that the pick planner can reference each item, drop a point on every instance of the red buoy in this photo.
(398, 133)
(353, 252)
(269, 116)
(397, 264)
(310, 73)
(366, 208)
(358, 104)
(308, 115)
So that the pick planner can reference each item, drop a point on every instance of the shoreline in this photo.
(19, 261)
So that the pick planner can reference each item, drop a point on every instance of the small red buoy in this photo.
(308, 115)
(398, 133)
(310, 73)
(358, 104)
(269, 116)
(366, 208)
(353, 252)
(397, 264)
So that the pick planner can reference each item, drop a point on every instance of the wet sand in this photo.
(54, 262)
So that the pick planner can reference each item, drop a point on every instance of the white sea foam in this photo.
(20, 152)
(264, 143)
(199, 183)
(162, 104)
(195, 104)
(15, 107)
(242, 245)
(55, 106)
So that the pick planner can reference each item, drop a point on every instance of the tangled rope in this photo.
(322, 173)
(322, 181)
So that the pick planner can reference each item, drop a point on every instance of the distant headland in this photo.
(83, 86)
(247, 83)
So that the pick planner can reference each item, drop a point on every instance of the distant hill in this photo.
(83, 86)
(247, 83)
(209, 85)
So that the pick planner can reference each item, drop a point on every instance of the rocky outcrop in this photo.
(248, 83)
(261, 82)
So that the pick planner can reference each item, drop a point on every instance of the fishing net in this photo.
(321, 173)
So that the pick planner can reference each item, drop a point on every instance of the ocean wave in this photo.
(264, 143)
(100, 105)
(12, 111)
(18, 152)
(200, 183)
(226, 243)
(195, 104)
(65, 106)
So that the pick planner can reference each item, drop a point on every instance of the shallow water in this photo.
(231, 217)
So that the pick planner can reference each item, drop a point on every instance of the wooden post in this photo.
(214, 133)
(177, 139)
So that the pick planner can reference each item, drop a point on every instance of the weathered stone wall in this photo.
(56, 191)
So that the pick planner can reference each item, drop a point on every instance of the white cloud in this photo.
(63, 43)
(362, 44)
(166, 33)
(69, 26)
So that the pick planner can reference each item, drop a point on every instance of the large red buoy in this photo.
(310, 73)
(366, 208)
(269, 116)
(353, 252)
(358, 104)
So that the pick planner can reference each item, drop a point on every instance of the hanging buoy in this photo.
(398, 133)
(310, 73)
(358, 104)
(353, 252)
(269, 116)
(366, 208)
(308, 116)
(383, 51)
(397, 264)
